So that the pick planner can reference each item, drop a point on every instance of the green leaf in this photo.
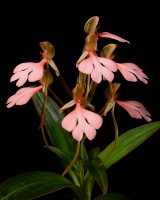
(66, 158)
(94, 152)
(59, 137)
(128, 141)
(32, 185)
(88, 184)
(112, 196)
(99, 173)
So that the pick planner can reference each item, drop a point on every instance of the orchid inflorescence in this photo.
(66, 123)
(94, 67)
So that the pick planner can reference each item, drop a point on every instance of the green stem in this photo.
(116, 136)
(43, 113)
(57, 99)
(65, 86)
(73, 161)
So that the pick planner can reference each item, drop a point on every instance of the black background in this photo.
(22, 27)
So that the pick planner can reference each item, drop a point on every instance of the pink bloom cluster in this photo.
(100, 68)
(81, 121)
(26, 71)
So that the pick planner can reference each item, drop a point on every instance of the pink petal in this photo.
(133, 113)
(135, 109)
(107, 74)
(96, 76)
(22, 96)
(131, 72)
(11, 104)
(36, 75)
(146, 115)
(69, 122)
(23, 66)
(78, 133)
(112, 36)
(126, 73)
(81, 121)
(16, 76)
(26, 96)
(140, 108)
(89, 131)
(86, 66)
(132, 66)
(134, 103)
(27, 65)
(31, 71)
(100, 69)
(22, 76)
(108, 63)
(141, 76)
(93, 119)
(17, 95)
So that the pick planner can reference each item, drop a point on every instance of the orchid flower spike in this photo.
(98, 67)
(22, 96)
(81, 121)
(30, 71)
(131, 72)
(135, 109)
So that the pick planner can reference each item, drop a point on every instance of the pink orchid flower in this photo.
(112, 36)
(29, 70)
(135, 109)
(22, 96)
(131, 72)
(98, 67)
(81, 121)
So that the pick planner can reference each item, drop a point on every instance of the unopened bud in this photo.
(107, 51)
(91, 24)
(48, 49)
